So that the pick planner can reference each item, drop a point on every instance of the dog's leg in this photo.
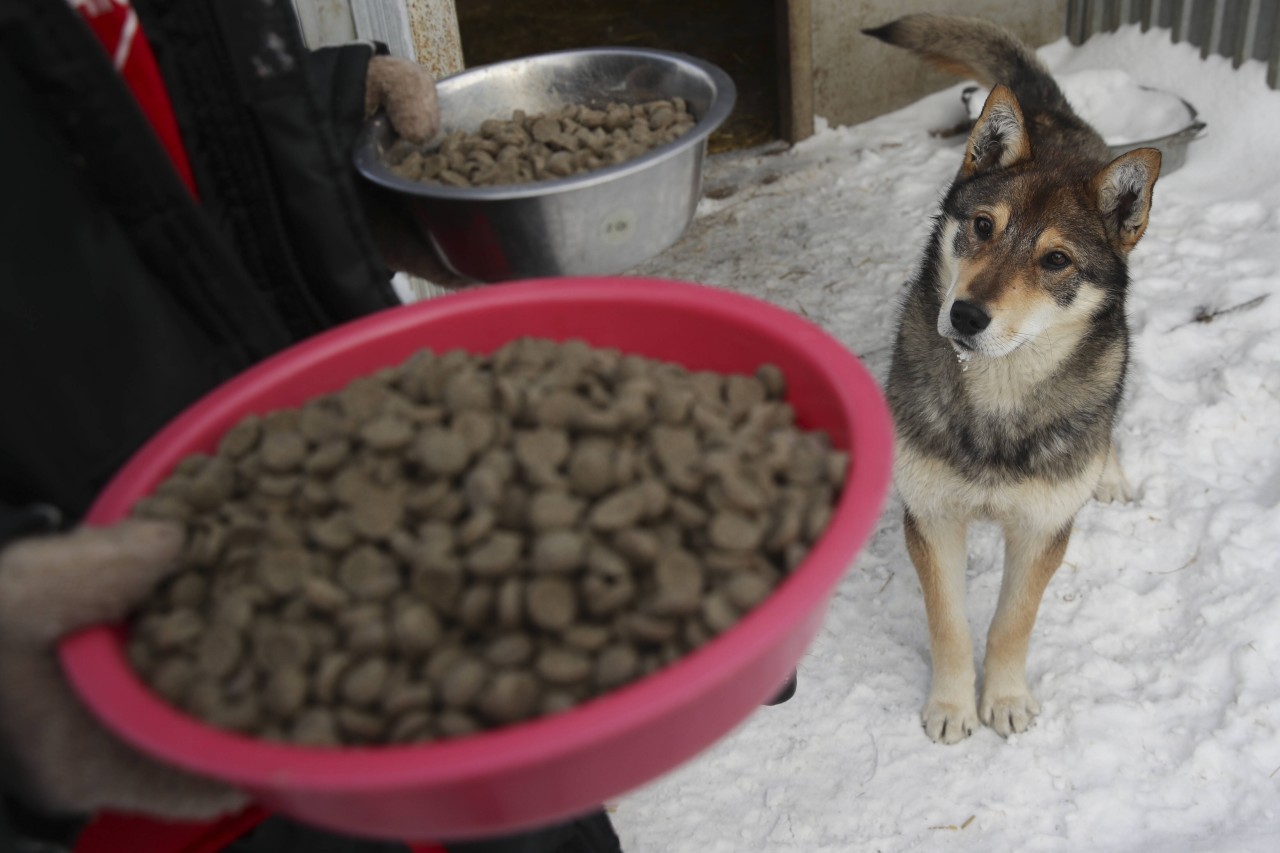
(1031, 558)
(1112, 486)
(937, 548)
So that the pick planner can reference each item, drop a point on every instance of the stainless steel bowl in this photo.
(1172, 146)
(599, 223)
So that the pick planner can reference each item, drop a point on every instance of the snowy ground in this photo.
(1157, 654)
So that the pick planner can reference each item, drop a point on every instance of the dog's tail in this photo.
(980, 50)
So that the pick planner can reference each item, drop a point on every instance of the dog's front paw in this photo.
(1112, 486)
(1011, 713)
(949, 722)
(1113, 490)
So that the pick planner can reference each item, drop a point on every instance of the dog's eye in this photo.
(983, 227)
(1057, 260)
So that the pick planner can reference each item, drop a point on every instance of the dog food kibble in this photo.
(573, 140)
(465, 542)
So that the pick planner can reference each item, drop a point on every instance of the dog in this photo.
(1010, 358)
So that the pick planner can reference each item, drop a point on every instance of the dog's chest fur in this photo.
(1039, 419)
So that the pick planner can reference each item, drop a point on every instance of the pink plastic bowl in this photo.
(537, 772)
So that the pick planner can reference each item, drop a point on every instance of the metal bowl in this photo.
(598, 223)
(1172, 146)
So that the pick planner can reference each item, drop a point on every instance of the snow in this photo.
(1156, 657)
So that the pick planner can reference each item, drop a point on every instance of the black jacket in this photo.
(122, 299)
(125, 299)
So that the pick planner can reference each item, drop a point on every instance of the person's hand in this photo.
(49, 587)
(406, 92)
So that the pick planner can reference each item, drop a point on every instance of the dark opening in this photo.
(737, 35)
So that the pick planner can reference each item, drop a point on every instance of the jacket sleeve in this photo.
(269, 129)
(338, 75)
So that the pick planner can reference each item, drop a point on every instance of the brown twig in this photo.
(1208, 315)
(1187, 564)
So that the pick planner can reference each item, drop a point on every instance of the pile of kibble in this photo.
(463, 542)
(570, 141)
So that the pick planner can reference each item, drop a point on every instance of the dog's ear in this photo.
(1122, 192)
(999, 136)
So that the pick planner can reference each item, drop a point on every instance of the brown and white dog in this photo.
(1010, 358)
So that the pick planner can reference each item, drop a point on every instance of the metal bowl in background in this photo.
(1172, 146)
(598, 223)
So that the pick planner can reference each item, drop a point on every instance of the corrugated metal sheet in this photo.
(1238, 29)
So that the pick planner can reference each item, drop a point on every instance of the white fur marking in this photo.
(948, 272)
(1003, 125)
(1129, 177)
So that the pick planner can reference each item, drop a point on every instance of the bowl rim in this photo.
(370, 165)
(1184, 135)
(143, 719)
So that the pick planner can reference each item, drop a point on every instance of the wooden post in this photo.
(436, 40)
(795, 68)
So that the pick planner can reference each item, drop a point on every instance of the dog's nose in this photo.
(967, 318)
